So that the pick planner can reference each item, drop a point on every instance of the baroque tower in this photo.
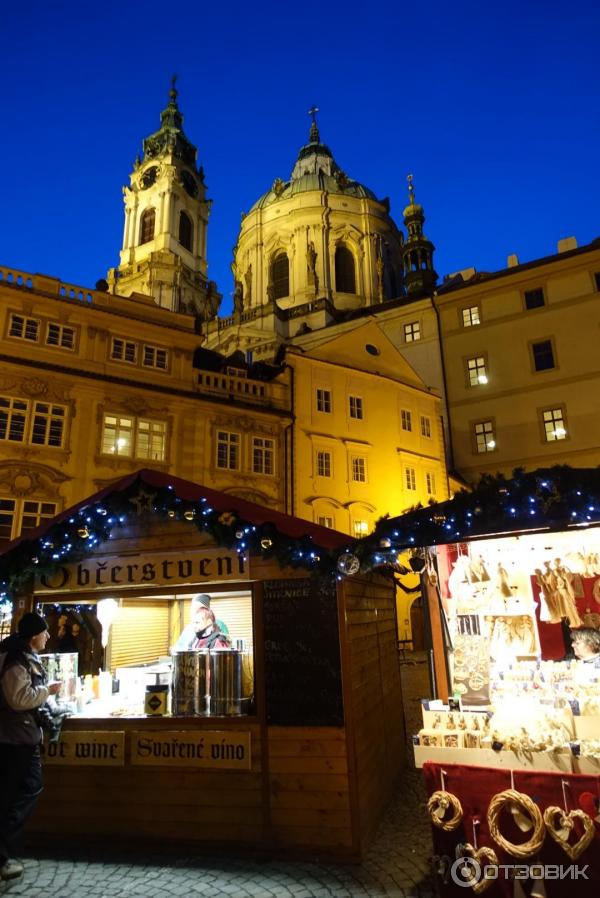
(166, 219)
(417, 252)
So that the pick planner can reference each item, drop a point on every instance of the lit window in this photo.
(123, 350)
(263, 455)
(534, 299)
(24, 328)
(485, 439)
(476, 371)
(410, 478)
(554, 424)
(117, 435)
(406, 419)
(150, 439)
(60, 335)
(325, 521)
(470, 316)
(228, 450)
(155, 358)
(360, 528)
(48, 424)
(323, 400)
(359, 469)
(19, 515)
(425, 426)
(323, 464)
(543, 355)
(41, 423)
(430, 481)
(412, 332)
(356, 407)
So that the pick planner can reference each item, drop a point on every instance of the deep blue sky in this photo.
(493, 106)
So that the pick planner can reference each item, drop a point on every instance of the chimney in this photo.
(566, 244)
(512, 261)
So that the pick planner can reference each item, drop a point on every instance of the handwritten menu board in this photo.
(302, 653)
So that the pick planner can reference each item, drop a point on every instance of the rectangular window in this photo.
(13, 417)
(470, 316)
(228, 450)
(553, 420)
(543, 355)
(325, 521)
(356, 407)
(123, 350)
(263, 456)
(48, 424)
(24, 328)
(406, 419)
(19, 515)
(323, 400)
(534, 299)
(476, 371)
(412, 332)
(117, 435)
(60, 335)
(154, 357)
(323, 464)
(430, 481)
(485, 439)
(425, 426)
(410, 478)
(150, 439)
(359, 469)
(360, 528)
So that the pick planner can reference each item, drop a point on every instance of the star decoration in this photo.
(143, 501)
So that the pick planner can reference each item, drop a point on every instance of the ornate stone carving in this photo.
(30, 479)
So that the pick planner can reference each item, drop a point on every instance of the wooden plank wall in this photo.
(308, 790)
(372, 696)
(168, 804)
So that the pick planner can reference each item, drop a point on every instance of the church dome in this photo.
(315, 169)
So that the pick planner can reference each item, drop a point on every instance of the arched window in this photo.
(393, 292)
(280, 276)
(345, 276)
(186, 230)
(147, 226)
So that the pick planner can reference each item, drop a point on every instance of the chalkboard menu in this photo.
(302, 653)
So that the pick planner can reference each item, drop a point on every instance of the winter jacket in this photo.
(210, 638)
(22, 692)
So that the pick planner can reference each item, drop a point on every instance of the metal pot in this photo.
(190, 683)
(225, 682)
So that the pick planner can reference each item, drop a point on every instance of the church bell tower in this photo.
(166, 220)
(417, 252)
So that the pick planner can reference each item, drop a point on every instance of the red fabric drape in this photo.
(475, 786)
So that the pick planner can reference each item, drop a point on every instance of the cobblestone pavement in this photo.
(397, 864)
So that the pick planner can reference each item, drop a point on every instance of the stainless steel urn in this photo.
(190, 683)
(225, 682)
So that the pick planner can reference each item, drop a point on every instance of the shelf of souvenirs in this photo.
(542, 715)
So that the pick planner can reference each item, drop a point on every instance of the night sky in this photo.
(493, 107)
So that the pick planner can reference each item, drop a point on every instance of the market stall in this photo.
(284, 738)
(510, 737)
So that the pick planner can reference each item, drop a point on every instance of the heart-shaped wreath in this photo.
(561, 827)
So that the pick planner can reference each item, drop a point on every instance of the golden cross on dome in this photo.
(173, 91)
(411, 190)
(313, 112)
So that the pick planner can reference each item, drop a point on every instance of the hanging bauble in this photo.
(266, 543)
(170, 513)
(83, 532)
(348, 564)
(239, 534)
(35, 560)
(190, 514)
(101, 511)
(385, 542)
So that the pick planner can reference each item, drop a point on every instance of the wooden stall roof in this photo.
(222, 514)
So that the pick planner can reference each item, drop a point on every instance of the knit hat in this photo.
(31, 624)
(201, 599)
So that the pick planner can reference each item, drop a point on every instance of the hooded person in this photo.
(23, 692)
(203, 631)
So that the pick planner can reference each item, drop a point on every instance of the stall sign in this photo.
(162, 569)
(219, 750)
(102, 749)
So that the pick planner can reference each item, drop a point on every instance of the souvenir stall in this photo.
(510, 738)
(282, 736)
